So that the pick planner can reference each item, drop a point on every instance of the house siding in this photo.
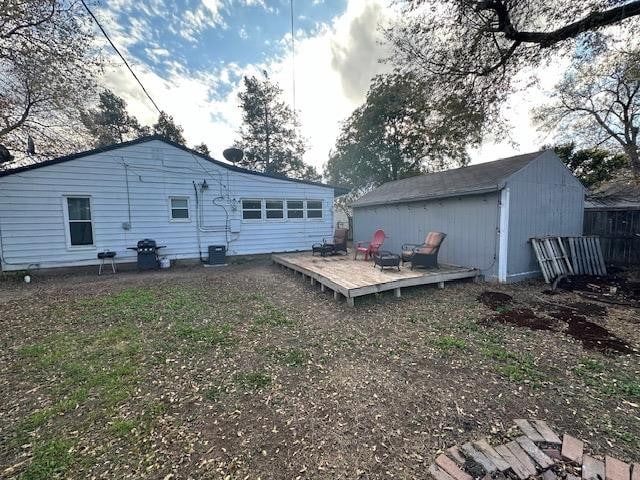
(470, 223)
(546, 199)
(33, 229)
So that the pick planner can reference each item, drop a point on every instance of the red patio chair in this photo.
(369, 248)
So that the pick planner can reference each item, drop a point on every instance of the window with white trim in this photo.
(179, 208)
(274, 209)
(252, 209)
(79, 221)
(314, 208)
(295, 208)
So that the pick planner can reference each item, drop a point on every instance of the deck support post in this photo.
(313, 280)
(396, 292)
(441, 285)
(322, 287)
(351, 301)
(336, 295)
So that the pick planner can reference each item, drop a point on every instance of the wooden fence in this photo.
(619, 232)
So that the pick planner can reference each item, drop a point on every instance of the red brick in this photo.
(451, 468)
(615, 469)
(572, 448)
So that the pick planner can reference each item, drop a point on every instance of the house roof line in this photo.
(74, 156)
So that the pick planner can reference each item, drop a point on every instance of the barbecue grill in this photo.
(147, 254)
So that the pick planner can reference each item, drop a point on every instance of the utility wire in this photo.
(293, 58)
(120, 55)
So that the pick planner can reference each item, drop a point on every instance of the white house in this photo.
(63, 212)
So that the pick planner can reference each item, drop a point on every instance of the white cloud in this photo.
(330, 83)
(333, 67)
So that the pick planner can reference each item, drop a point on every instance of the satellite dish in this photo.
(234, 155)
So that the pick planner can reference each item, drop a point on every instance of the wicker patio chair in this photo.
(426, 254)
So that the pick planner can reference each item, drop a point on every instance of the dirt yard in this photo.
(247, 372)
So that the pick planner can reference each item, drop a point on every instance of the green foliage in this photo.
(202, 148)
(269, 131)
(401, 131)
(110, 122)
(169, 129)
(591, 165)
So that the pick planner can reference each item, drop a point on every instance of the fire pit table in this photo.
(383, 258)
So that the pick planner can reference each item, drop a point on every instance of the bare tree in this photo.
(46, 72)
(598, 103)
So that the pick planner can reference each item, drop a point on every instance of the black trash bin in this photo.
(217, 255)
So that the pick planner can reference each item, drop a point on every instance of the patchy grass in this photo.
(208, 334)
(271, 316)
(51, 459)
(218, 374)
(611, 382)
(252, 380)
(516, 366)
(292, 357)
(448, 343)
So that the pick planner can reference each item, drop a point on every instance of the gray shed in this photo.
(489, 211)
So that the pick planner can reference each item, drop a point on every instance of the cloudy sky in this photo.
(192, 54)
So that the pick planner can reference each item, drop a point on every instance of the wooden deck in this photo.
(355, 278)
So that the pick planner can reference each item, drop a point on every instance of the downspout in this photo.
(503, 239)
(195, 188)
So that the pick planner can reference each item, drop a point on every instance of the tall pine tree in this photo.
(110, 122)
(269, 134)
(169, 129)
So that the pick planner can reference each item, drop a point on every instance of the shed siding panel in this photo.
(470, 223)
(33, 230)
(545, 199)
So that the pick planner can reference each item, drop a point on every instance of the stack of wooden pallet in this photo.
(539, 452)
(563, 256)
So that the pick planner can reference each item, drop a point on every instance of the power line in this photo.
(293, 58)
(120, 55)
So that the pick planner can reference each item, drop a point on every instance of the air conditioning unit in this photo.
(217, 255)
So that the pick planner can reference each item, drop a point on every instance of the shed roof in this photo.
(74, 156)
(474, 179)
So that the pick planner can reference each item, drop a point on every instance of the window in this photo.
(275, 208)
(179, 208)
(314, 208)
(79, 218)
(251, 209)
(295, 209)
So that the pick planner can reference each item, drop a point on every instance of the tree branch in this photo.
(592, 21)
